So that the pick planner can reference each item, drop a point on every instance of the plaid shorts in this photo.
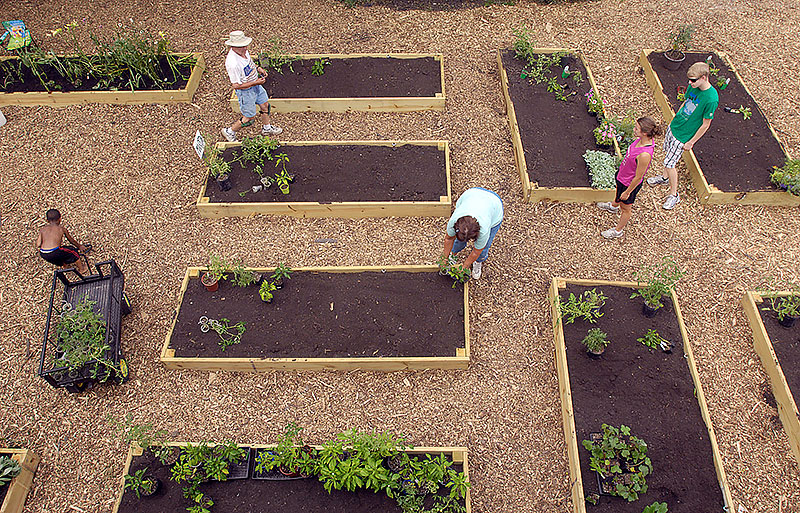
(673, 149)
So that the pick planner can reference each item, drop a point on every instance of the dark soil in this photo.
(31, 82)
(361, 77)
(786, 343)
(329, 315)
(555, 134)
(3, 492)
(735, 155)
(256, 496)
(342, 173)
(652, 392)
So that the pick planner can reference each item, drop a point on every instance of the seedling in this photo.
(722, 82)
(744, 111)
(217, 267)
(242, 277)
(318, 68)
(281, 272)
(275, 58)
(266, 291)
(654, 341)
(656, 281)
(619, 449)
(587, 305)
(711, 69)
(595, 341)
(459, 274)
(656, 507)
(228, 334)
(140, 483)
(783, 306)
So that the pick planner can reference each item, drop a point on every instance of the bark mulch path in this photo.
(735, 154)
(651, 392)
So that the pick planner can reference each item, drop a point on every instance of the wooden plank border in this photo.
(705, 191)
(344, 209)
(565, 390)
(458, 455)
(57, 98)
(459, 361)
(371, 104)
(531, 191)
(19, 487)
(787, 406)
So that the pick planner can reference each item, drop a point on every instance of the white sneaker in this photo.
(229, 134)
(608, 207)
(672, 200)
(271, 130)
(657, 180)
(476, 270)
(611, 234)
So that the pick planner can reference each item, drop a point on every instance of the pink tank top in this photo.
(627, 170)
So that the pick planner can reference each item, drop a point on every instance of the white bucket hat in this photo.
(238, 39)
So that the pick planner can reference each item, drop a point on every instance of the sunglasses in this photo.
(693, 80)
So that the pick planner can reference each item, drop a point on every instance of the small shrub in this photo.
(595, 340)
(602, 169)
(787, 177)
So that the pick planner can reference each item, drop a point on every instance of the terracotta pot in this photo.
(209, 283)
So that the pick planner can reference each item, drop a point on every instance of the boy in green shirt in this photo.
(687, 127)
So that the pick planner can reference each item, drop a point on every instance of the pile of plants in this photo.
(257, 151)
(587, 306)
(539, 66)
(128, 60)
(602, 169)
(9, 469)
(449, 267)
(621, 461)
(787, 177)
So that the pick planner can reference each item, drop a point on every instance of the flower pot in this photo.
(289, 473)
(240, 470)
(563, 61)
(788, 321)
(224, 182)
(595, 355)
(257, 188)
(209, 282)
(648, 310)
(673, 60)
(592, 113)
(278, 282)
(148, 490)
(285, 189)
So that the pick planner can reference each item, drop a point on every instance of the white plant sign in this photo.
(199, 144)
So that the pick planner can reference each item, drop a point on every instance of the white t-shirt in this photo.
(484, 206)
(240, 69)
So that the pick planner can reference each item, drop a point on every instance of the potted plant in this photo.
(653, 340)
(266, 291)
(281, 272)
(605, 134)
(143, 485)
(654, 282)
(785, 307)
(621, 461)
(217, 267)
(787, 177)
(587, 305)
(219, 169)
(678, 43)
(594, 104)
(595, 342)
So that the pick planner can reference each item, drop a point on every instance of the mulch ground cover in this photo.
(786, 343)
(341, 173)
(255, 495)
(651, 392)
(734, 154)
(357, 77)
(31, 83)
(554, 133)
(329, 315)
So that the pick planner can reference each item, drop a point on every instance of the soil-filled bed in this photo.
(358, 77)
(735, 155)
(329, 315)
(555, 134)
(786, 344)
(326, 173)
(256, 495)
(30, 83)
(3, 492)
(653, 394)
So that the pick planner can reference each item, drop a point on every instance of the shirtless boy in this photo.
(49, 244)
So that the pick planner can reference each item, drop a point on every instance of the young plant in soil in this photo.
(218, 168)
(595, 342)
(275, 58)
(266, 291)
(141, 484)
(242, 277)
(653, 340)
(621, 460)
(215, 271)
(785, 308)
(318, 68)
(198, 463)
(283, 178)
(280, 274)
(605, 134)
(787, 177)
(656, 507)
(594, 104)
(257, 150)
(656, 281)
(290, 456)
(586, 306)
(9, 469)
(229, 334)
(81, 335)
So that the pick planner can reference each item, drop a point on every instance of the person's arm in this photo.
(39, 241)
(72, 241)
(642, 162)
(700, 131)
(246, 85)
(476, 252)
(448, 247)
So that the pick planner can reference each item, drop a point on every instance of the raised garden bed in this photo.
(13, 495)
(399, 82)
(549, 135)
(779, 351)
(736, 154)
(657, 394)
(371, 318)
(350, 179)
(40, 97)
(289, 495)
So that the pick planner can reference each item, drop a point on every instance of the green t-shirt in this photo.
(699, 105)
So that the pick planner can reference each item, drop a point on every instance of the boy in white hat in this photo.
(247, 83)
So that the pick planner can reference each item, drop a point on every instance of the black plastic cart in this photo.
(107, 289)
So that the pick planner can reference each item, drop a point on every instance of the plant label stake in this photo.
(199, 145)
(565, 72)
(725, 85)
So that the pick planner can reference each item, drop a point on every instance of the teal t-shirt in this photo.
(699, 105)
(484, 206)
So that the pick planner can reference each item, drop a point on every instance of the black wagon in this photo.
(104, 292)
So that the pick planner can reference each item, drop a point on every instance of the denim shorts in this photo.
(249, 98)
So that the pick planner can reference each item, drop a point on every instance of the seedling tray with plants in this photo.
(550, 135)
(20, 473)
(778, 347)
(371, 318)
(399, 82)
(733, 161)
(82, 335)
(352, 179)
(642, 388)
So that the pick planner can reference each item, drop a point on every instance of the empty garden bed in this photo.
(356, 82)
(733, 160)
(657, 394)
(372, 318)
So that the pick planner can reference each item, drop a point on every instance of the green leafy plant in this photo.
(656, 281)
(723, 82)
(285, 455)
(318, 68)
(217, 267)
(201, 462)
(257, 150)
(595, 341)
(242, 277)
(459, 274)
(656, 507)
(81, 340)
(266, 291)
(652, 339)
(144, 435)
(218, 168)
(745, 112)
(602, 169)
(275, 58)
(283, 178)
(680, 39)
(621, 460)
(624, 127)
(782, 305)
(9, 469)
(586, 305)
(229, 334)
(787, 177)
(281, 272)
(594, 103)
(605, 134)
(681, 95)
(140, 483)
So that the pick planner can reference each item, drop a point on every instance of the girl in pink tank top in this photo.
(631, 174)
